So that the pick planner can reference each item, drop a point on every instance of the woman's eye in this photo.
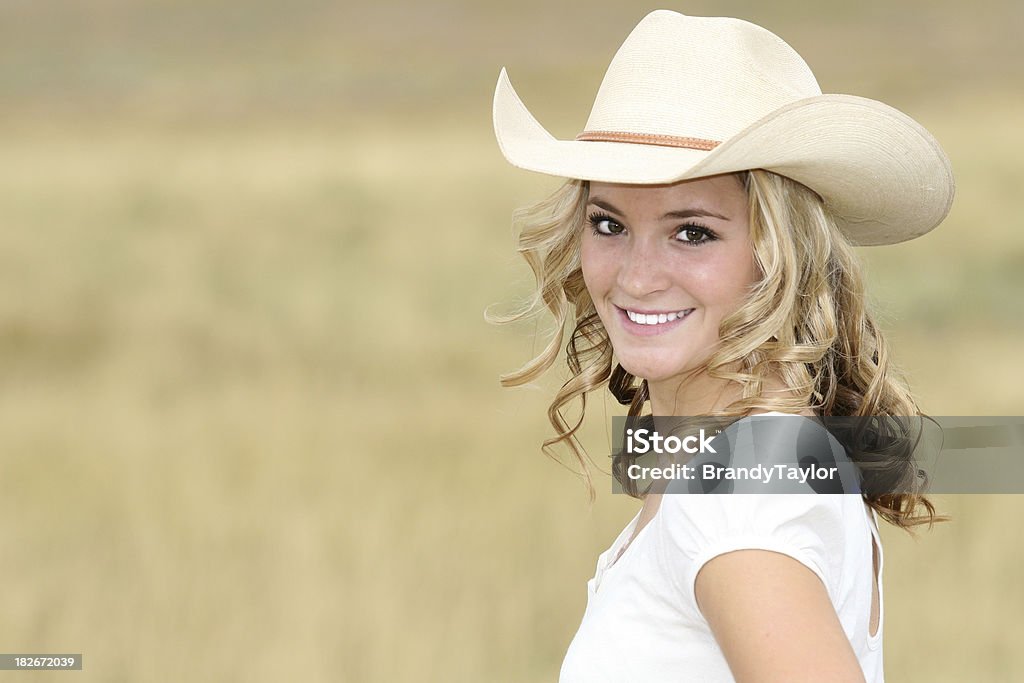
(693, 235)
(606, 226)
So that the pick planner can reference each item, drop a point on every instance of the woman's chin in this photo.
(653, 371)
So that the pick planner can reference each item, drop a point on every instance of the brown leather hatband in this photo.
(648, 139)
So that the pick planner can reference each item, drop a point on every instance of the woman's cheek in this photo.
(595, 266)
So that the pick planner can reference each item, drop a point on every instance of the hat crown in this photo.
(698, 77)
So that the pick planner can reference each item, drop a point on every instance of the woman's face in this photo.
(664, 265)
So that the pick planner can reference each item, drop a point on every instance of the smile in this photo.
(656, 318)
(651, 323)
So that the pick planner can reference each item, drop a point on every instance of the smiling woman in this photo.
(702, 246)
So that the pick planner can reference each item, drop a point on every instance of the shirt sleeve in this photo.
(697, 528)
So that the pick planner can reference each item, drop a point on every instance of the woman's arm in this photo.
(773, 619)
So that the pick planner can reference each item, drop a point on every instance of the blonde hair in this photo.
(805, 321)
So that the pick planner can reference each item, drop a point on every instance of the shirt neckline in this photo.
(608, 560)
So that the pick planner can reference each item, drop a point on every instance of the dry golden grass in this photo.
(250, 426)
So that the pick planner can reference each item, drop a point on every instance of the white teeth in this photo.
(656, 318)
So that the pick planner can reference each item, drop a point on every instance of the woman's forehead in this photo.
(723, 194)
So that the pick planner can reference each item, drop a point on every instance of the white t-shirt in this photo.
(642, 622)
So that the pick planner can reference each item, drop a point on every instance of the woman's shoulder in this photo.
(825, 532)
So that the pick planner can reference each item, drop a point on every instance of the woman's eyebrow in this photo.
(690, 213)
(683, 213)
(606, 206)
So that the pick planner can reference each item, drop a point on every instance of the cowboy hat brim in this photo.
(880, 173)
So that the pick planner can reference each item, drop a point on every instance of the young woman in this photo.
(702, 247)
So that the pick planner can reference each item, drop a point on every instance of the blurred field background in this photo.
(250, 424)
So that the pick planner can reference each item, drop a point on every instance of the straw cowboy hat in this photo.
(690, 97)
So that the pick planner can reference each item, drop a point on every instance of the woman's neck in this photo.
(690, 396)
(701, 394)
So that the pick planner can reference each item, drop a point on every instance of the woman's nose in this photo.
(643, 270)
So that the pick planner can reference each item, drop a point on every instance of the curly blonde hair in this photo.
(805, 321)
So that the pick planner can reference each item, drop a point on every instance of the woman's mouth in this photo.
(646, 323)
